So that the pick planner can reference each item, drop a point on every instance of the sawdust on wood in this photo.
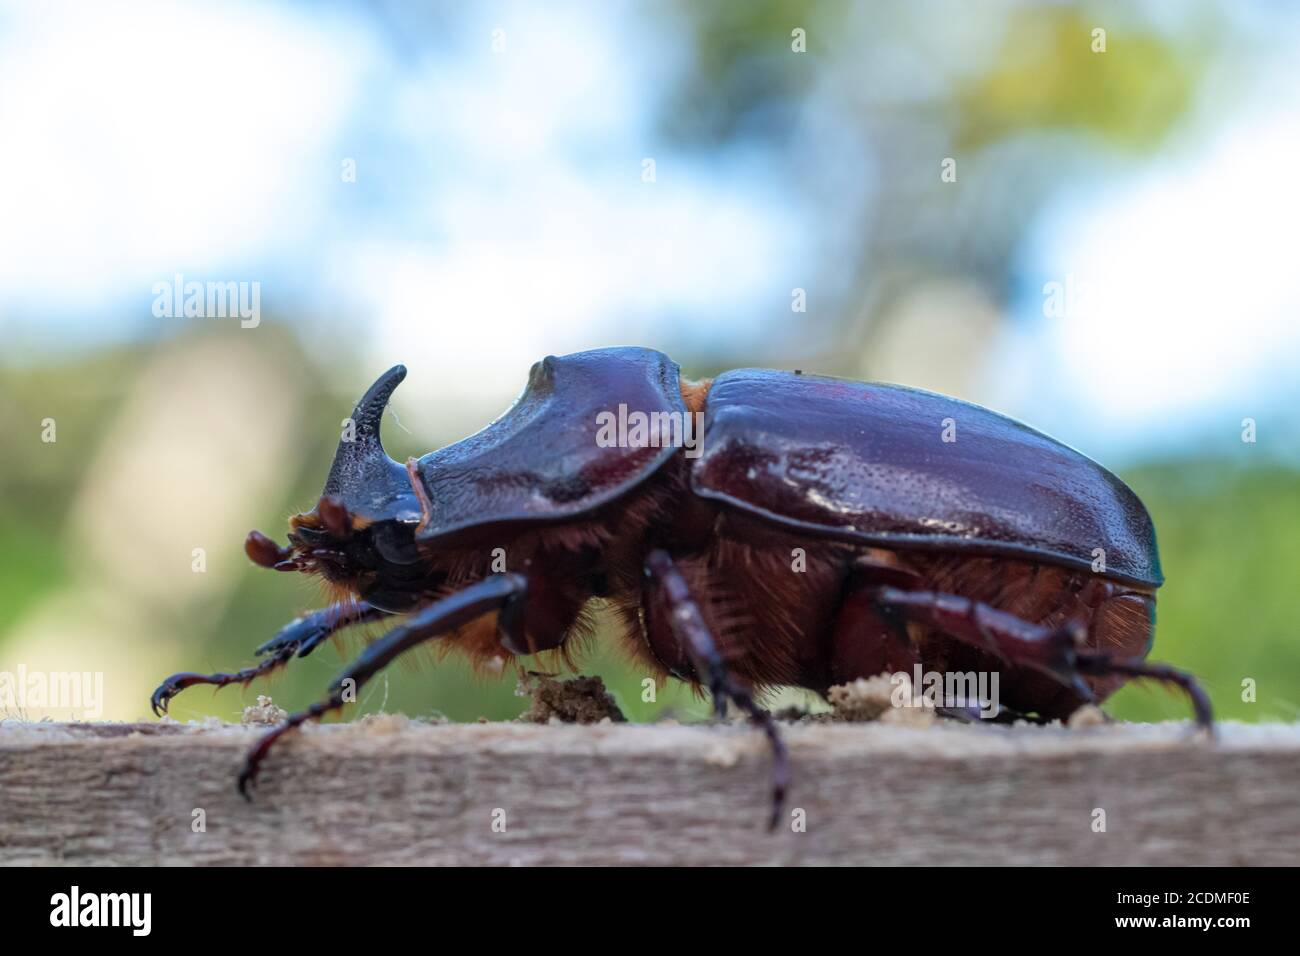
(264, 713)
(873, 698)
(384, 723)
(1089, 715)
(581, 700)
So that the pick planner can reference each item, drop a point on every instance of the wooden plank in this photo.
(385, 790)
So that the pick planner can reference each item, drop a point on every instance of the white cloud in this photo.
(1192, 312)
(143, 138)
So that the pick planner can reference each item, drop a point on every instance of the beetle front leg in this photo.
(490, 594)
(1059, 652)
(688, 625)
(298, 638)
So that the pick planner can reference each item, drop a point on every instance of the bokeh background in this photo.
(972, 198)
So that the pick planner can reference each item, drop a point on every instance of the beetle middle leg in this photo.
(490, 594)
(688, 625)
(1059, 652)
(298, 638)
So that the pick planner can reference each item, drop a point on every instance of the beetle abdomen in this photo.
(909, 469)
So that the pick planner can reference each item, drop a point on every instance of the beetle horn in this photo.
(361, 464)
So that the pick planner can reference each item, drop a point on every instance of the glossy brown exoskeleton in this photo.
(822, 530)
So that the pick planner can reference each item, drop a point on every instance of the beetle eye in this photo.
(310, 537)
(394, 601)
(394, 543)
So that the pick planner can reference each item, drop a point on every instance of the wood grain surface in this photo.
(385, 790)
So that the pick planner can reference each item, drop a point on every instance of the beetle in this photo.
(822, 530)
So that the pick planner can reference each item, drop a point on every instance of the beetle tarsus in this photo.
(299, 637)
(178, 682)
(311, 629)
(1100, 663)
(253, 761)
(762, 718)
(718, 692)
(247, 777)
(688, 624)
(438, 618)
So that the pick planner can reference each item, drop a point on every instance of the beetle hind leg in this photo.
(298, 638)
(1059, 652)
(1102, 664)
(688, 625)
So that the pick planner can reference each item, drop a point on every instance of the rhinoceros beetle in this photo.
(822, 530)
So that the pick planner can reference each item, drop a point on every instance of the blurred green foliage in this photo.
(1230, 545)
(1047, 77)
(1046, 74)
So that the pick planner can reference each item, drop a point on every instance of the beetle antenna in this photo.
(263, 551)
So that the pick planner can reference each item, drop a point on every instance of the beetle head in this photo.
(361, 534)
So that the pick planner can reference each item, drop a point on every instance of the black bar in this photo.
(254, 906)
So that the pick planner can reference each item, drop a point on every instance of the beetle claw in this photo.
(162, 697)
(718, 691)
(247, 777)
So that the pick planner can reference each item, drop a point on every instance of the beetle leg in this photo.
(867, 638)
(1100, 663)
(438, 618)
(870, 637)
(1011, 639)
(299, 637)
(973, 713)
(306, 633)
(1059, 652)
(688, 624)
